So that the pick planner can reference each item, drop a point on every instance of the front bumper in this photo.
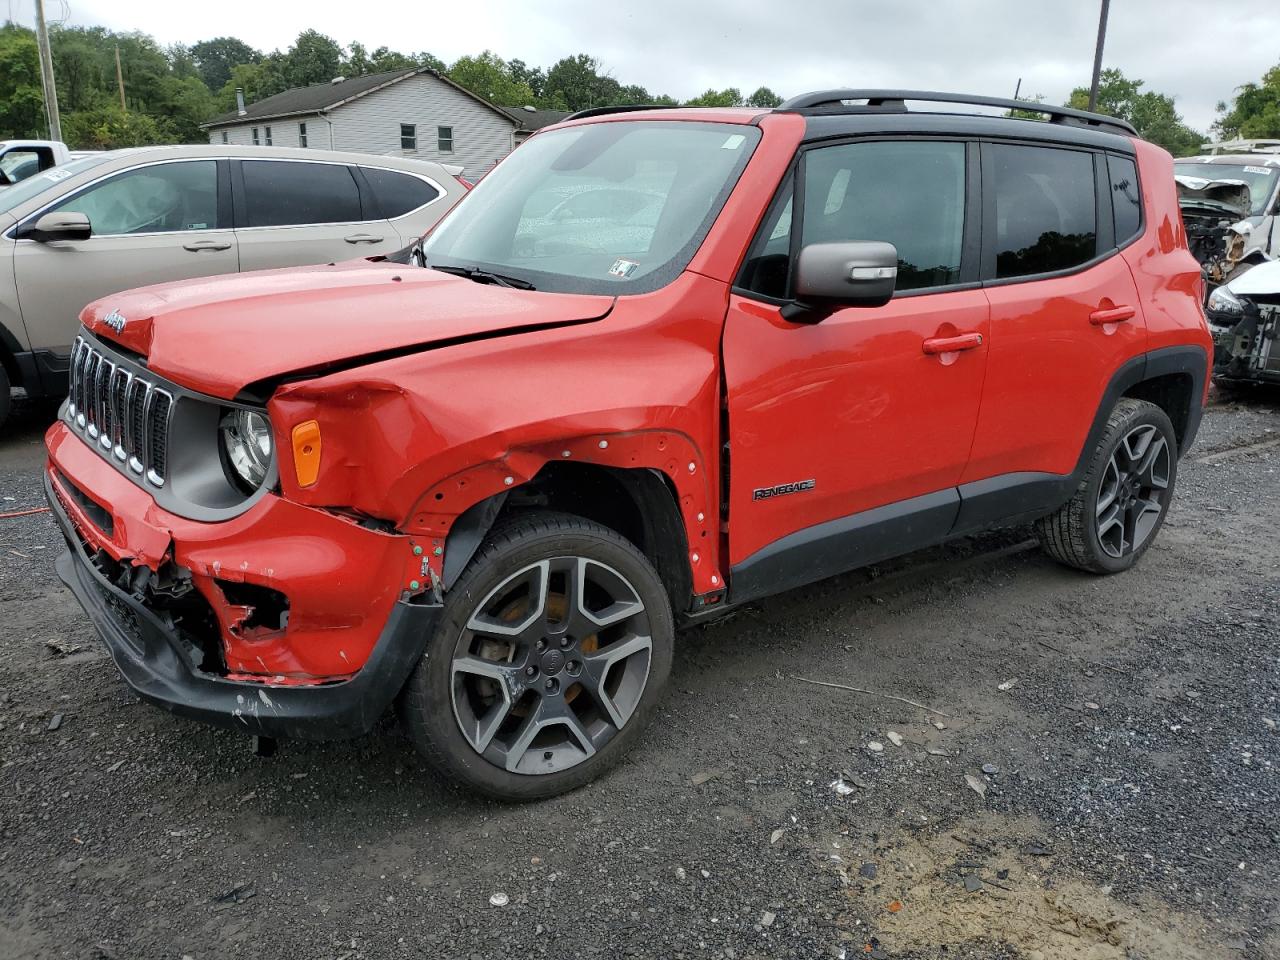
(1246, 348)
(352, 636)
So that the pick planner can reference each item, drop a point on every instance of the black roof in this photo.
(326, 96)
(536, 119)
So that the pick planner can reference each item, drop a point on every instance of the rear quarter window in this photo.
(1126, 201)
(398, 193)
(1045, 209)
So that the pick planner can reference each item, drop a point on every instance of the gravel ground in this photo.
(1127, 727)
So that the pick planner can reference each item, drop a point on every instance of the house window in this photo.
(224, 136)
(256, 142)
(302, 134)
(444, 139)
(267, 130)
(408, 136)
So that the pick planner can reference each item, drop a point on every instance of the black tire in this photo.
(1091, 531)
(6, 395)
(549, 549)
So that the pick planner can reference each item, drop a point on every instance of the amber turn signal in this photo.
(306, 452)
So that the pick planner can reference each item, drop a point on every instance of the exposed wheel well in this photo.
(1172, 393)
(640, 504)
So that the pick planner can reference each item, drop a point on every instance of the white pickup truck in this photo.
(20, 159)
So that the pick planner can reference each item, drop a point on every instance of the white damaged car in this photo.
(1244, 316)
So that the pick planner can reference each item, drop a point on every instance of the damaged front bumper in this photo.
(171, 599)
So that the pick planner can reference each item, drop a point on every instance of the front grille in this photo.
(122, 412)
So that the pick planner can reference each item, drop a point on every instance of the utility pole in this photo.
(120, 80)
(1097, 54)
(46, 74)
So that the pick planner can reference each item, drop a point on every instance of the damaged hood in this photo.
(220, 334)
(1213, 197)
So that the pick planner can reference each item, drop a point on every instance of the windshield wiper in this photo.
(484, 276)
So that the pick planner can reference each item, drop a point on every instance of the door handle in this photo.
(197, 246)
(1112, 315)
(362, 238)
(962, 341)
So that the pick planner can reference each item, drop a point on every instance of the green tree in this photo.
(215, 59)
(313, 58)
(728, 97)
(21, 100)
(532, 77)
(109, 128)
(1255, 112)
(576, 83)
(1027, 114)
(257, 80)
(764, 97)
(1153, 115)
(486, 76)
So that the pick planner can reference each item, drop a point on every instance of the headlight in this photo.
(246, 438)
(1223, 300)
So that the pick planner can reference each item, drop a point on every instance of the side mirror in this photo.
(859, 273)
(58, 226)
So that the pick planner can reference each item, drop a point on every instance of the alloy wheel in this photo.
(551, 665)
(1134, 491)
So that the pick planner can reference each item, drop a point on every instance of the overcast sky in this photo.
(1196, 50)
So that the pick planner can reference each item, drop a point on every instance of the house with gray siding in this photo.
(405, 113)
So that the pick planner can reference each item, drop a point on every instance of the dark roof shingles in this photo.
(313, 99)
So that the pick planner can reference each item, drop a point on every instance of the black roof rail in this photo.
(620, 108)
(895, 100)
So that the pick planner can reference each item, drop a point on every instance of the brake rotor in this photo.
(492, 649)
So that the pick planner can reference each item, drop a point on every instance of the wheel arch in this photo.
(1174, 379)
(640, 504)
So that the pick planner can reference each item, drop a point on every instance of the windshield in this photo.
(20, 193)
(616, 207)
(1262, 180)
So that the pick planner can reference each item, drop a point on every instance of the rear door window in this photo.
(398, 193)
(1126, 201)
(1045, 209)
(280, 193)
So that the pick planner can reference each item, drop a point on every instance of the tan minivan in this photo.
(126, 218)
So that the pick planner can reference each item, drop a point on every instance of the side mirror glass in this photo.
(58, 226)
(858, 273)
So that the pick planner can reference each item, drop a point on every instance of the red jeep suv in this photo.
(658, 364)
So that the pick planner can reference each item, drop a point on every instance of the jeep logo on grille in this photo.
(114, 320)
(768, 493)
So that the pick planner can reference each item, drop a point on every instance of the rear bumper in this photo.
(156, 663)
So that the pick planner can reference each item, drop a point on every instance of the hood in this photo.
(1213, 197)
(220, 334)
(1262, 280)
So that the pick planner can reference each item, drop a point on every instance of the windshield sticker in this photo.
(1265, 171)
(196, 226)
(623, 269)
(733, 142)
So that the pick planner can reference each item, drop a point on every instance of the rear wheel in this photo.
(551, 652)
(1121, 503)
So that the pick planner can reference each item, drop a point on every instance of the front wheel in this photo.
(1121, 503)
(551, 652)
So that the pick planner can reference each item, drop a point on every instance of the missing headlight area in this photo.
(1247, 348)
(1214, 212)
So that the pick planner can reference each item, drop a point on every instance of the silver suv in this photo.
(128, 218)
